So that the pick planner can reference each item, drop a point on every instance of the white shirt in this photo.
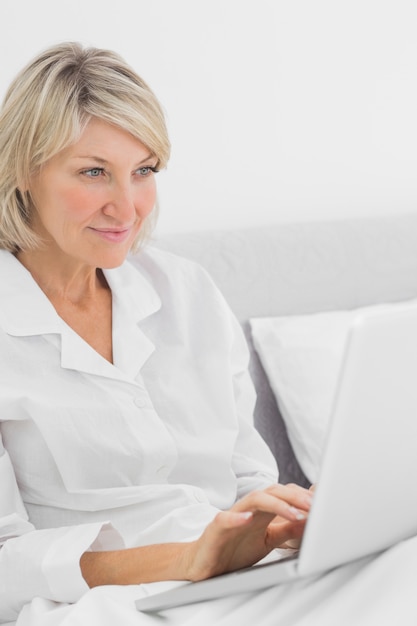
(98, 455)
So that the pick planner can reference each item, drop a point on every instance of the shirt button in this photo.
(140, 402)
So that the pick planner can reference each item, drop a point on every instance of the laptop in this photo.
(362, 503)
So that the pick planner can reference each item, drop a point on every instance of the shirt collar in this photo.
(134, 300)
(26, 311)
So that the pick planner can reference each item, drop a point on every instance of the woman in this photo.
(128, 454)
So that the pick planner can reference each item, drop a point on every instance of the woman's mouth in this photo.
(113, 235)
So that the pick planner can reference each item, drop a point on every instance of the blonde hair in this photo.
(47, 107)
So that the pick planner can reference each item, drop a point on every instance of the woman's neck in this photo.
(61, 279)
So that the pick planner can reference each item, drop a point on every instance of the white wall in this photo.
(278, 110)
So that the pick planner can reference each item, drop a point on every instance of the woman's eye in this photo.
(145, 171)
(94, 172)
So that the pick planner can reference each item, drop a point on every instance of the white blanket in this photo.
(380, 591)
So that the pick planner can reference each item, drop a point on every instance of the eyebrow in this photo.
(98, 159)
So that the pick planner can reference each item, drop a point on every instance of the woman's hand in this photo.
(295, 543)
(255, 525)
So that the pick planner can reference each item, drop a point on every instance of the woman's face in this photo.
(92, 197)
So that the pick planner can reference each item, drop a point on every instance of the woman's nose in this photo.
(121, 203)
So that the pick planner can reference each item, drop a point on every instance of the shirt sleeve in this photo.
(41, 562)
(254, 464)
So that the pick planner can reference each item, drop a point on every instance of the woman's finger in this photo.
(294, 495)
(272, 502)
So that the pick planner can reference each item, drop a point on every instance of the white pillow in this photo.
(302, 356)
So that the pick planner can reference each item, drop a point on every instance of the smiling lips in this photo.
(114, 235)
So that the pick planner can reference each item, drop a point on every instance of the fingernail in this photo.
(246, 515)
(299, 515)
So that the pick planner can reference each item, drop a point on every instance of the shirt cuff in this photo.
(61, 565)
